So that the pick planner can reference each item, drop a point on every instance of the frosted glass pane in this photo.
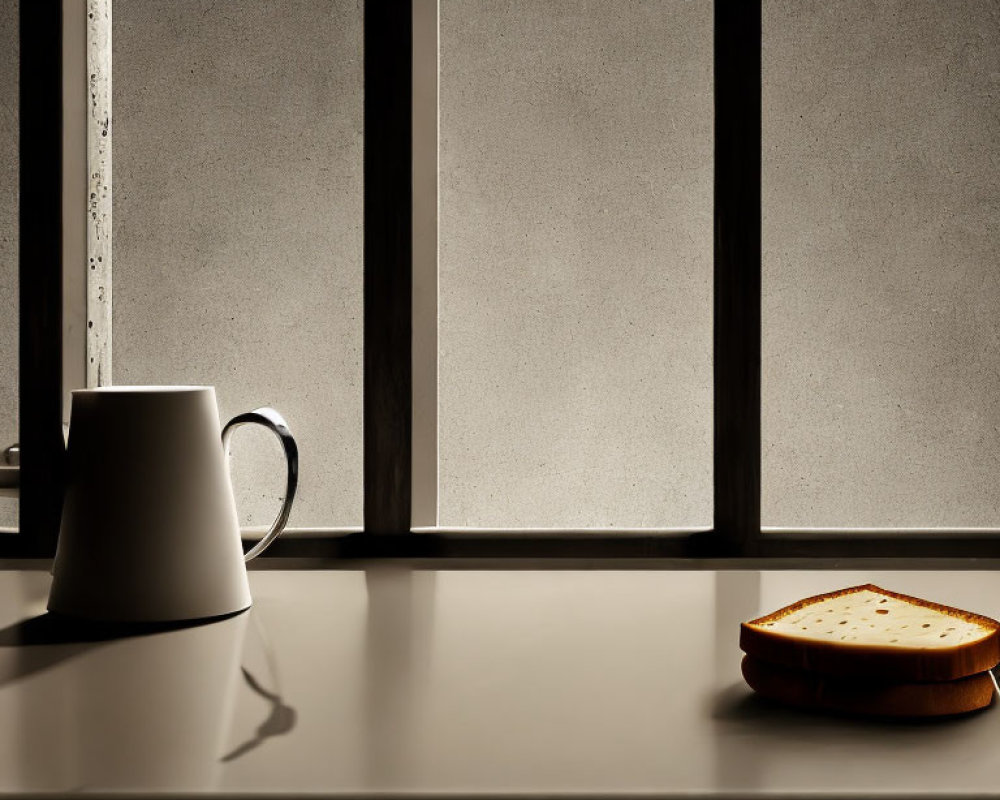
(881, 307)
(237, 228)
(575, 264)
(9, 54)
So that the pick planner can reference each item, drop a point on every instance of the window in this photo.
(236, 247)
(432, 432)
(575, 280)
(880, 290)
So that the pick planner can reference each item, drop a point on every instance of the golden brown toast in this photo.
(860, 697)
(870, 632)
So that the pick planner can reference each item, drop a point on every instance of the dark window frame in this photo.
(388, 288)
(39, 279)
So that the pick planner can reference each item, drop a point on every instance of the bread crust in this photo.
(839, 659)
(857, 697)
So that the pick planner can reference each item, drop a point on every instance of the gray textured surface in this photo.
(8, 239)
(575, 271)
(237, 228)
(881, 286)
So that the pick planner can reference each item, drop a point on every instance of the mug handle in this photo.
(275, 423)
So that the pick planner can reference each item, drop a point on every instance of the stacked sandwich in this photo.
(869, 651)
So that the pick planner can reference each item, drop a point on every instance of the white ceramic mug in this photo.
(149, 527)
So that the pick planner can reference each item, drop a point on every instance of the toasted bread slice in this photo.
(866, 631)
(861, 697)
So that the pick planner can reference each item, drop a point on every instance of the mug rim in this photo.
(142, 389)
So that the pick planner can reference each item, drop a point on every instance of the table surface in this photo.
(395, 681)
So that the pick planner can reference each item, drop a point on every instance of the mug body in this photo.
(149, 527)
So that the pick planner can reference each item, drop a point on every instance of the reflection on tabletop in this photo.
(119, 706)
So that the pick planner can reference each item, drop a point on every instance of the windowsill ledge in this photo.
(392, 681)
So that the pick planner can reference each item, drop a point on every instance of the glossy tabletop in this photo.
(390, 681)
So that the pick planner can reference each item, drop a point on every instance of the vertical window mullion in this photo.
(388, 280)
(737, 289)
(40, 274)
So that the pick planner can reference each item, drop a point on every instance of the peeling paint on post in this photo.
(99, 120)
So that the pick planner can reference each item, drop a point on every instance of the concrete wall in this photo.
(881, 279)
(237, 227)
(575, 273)
(8, 239)
(576, 263)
